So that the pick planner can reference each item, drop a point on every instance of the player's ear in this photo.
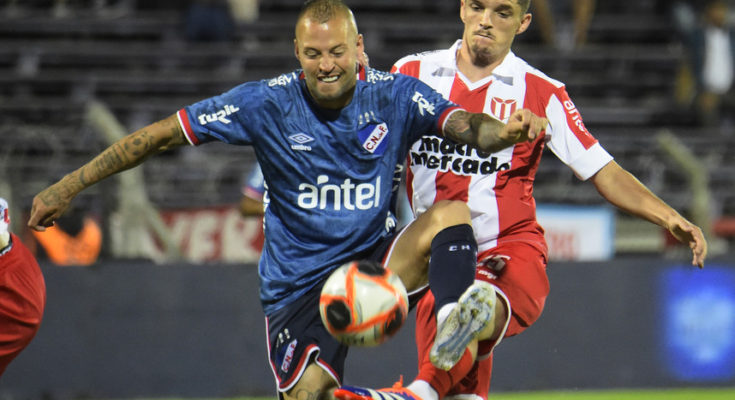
(360, 43)
(296, 48)
(525, 22)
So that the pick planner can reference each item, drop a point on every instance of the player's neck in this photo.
(474, 69)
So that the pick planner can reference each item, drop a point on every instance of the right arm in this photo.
(490, 135)
(128, 152)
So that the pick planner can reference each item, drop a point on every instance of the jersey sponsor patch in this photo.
(336, 196)
(425, 107)
(373, 138)
(443, 155)
(300, 141)
(219, 115)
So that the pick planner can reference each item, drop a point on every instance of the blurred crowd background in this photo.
(651, 78)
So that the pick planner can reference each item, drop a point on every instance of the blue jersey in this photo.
(254, 185)
(330, 174)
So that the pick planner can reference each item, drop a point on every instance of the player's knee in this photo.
(315, 383)
(299, 393)
(446, 213)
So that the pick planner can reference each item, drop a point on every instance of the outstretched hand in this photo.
(523, 126)
(49, 205)
(686, 232)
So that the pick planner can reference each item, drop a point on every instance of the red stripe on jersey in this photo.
(516, 205)
(448, 185)
(410, 68)
(186, 126)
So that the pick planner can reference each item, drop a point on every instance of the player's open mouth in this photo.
(328, 79)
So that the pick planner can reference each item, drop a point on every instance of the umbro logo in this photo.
(301, 139)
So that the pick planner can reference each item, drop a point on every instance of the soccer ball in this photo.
(363, 304)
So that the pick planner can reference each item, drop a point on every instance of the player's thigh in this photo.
(518, 270)
(409, 256)
(15, 335)
(298, 343)
(315, 383)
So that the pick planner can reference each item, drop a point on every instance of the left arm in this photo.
(624, 191)
(490, 135)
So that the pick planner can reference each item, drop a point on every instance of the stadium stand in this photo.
(140, 66)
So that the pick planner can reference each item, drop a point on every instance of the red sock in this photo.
(442, 381)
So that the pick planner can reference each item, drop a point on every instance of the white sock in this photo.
(423, 390)
(444, 312)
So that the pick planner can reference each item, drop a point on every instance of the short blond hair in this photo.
(324, 10)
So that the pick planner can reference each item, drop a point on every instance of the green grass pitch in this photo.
(666, 394)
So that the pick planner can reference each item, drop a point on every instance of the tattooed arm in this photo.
(488, 134)
(124, 154)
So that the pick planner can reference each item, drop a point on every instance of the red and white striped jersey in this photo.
(497, 187)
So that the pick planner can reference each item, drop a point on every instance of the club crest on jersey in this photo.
(373, 138)
(502, 109)
(219, 115)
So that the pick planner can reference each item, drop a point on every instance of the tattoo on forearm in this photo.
(478, 130)
(457, 127)
(128, 153)
(110, 159)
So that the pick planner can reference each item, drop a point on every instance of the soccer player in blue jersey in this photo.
(329, 138)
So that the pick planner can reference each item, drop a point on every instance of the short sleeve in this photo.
(230, 117)
(425, 110)
(570, 140)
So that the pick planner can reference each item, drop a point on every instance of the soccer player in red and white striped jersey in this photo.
(23, 293)
(482, 74)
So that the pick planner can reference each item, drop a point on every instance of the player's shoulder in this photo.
(425, 58)
(376, 76)
(266, 87)
(282, 81)
(520, 66)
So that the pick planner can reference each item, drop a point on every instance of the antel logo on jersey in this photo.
(220, 115)
(375, 137)
(502, 109)
(301, 139)
(424, 105)
(347, 194)
(443, 155)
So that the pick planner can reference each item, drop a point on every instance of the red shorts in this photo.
(518, 271)
(22, 300)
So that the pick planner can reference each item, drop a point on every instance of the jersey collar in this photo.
(503, 72)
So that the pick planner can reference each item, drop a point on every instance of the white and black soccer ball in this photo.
(363, 304)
